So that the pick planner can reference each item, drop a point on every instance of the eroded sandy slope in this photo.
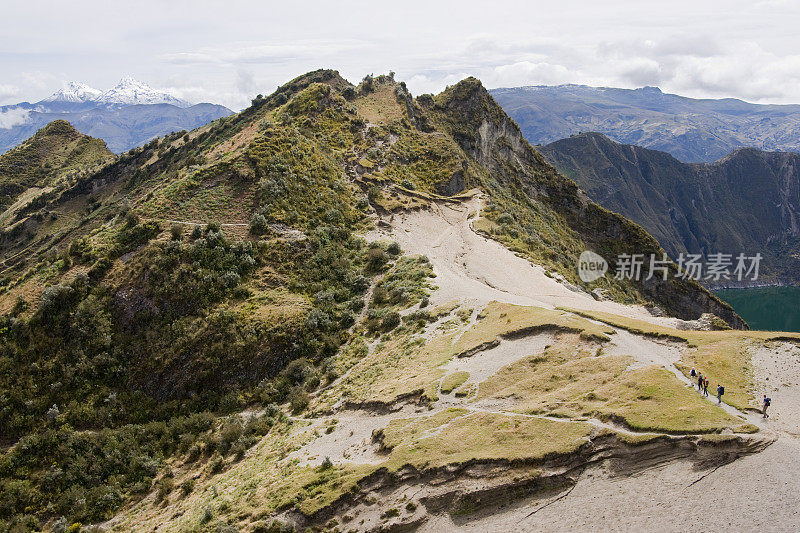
(463, 457)
(760, 492)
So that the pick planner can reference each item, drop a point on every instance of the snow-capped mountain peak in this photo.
(74, 92)
(130, 91)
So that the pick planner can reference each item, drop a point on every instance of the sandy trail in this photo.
(756, 492)
(477, 270)
(346, 436)
(486, 363)
(759, 492)
(777, 374)
(350, 439)
(646, 352)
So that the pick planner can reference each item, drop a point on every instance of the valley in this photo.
(745, 203)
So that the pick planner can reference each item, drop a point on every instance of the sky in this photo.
(227, 52)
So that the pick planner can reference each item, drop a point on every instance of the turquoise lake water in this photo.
(766, 308)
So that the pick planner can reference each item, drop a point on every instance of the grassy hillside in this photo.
(55, 150)
(159, 309)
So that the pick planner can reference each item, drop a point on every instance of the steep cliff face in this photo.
(761, 190)
(515, 168)
(746, 202)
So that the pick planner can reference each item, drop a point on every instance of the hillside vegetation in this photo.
(166, 310)
(55, 150)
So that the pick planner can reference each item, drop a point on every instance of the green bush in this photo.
(298, 400)
(176, 232)
(349, 93)
(216, 464)
(258, 224)
(165, 486)
(187, 487)
(376, 259)
(390, 321)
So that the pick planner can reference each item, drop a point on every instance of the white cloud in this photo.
(227, 54)
(261, 52)
(7, 90)
(530, 73)
(769, 4)
(13, 117)
(40, 79)
(245, 81)
(641, 71)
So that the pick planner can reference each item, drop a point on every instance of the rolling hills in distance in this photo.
(692, 130)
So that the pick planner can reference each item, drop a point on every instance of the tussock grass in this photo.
(453, 381)
(570, 380)
(507, 320)
(404, 365)
(457, 436)
(722, 356)
(381, 105)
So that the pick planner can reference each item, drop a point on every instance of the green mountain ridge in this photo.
(56, 149)
(147, 300)
(747, 202)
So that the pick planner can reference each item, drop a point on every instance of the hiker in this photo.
(693, 373)
(765, 404)
(705, 387)
(720, 392)
(700, 382)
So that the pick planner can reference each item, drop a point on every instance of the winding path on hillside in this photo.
(758, 492)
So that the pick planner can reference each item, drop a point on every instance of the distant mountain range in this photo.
(76, 96)
(125, 116)
(692, 130)
(746, 202)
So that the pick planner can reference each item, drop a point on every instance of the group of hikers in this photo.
(702, 388)
(702, 385)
